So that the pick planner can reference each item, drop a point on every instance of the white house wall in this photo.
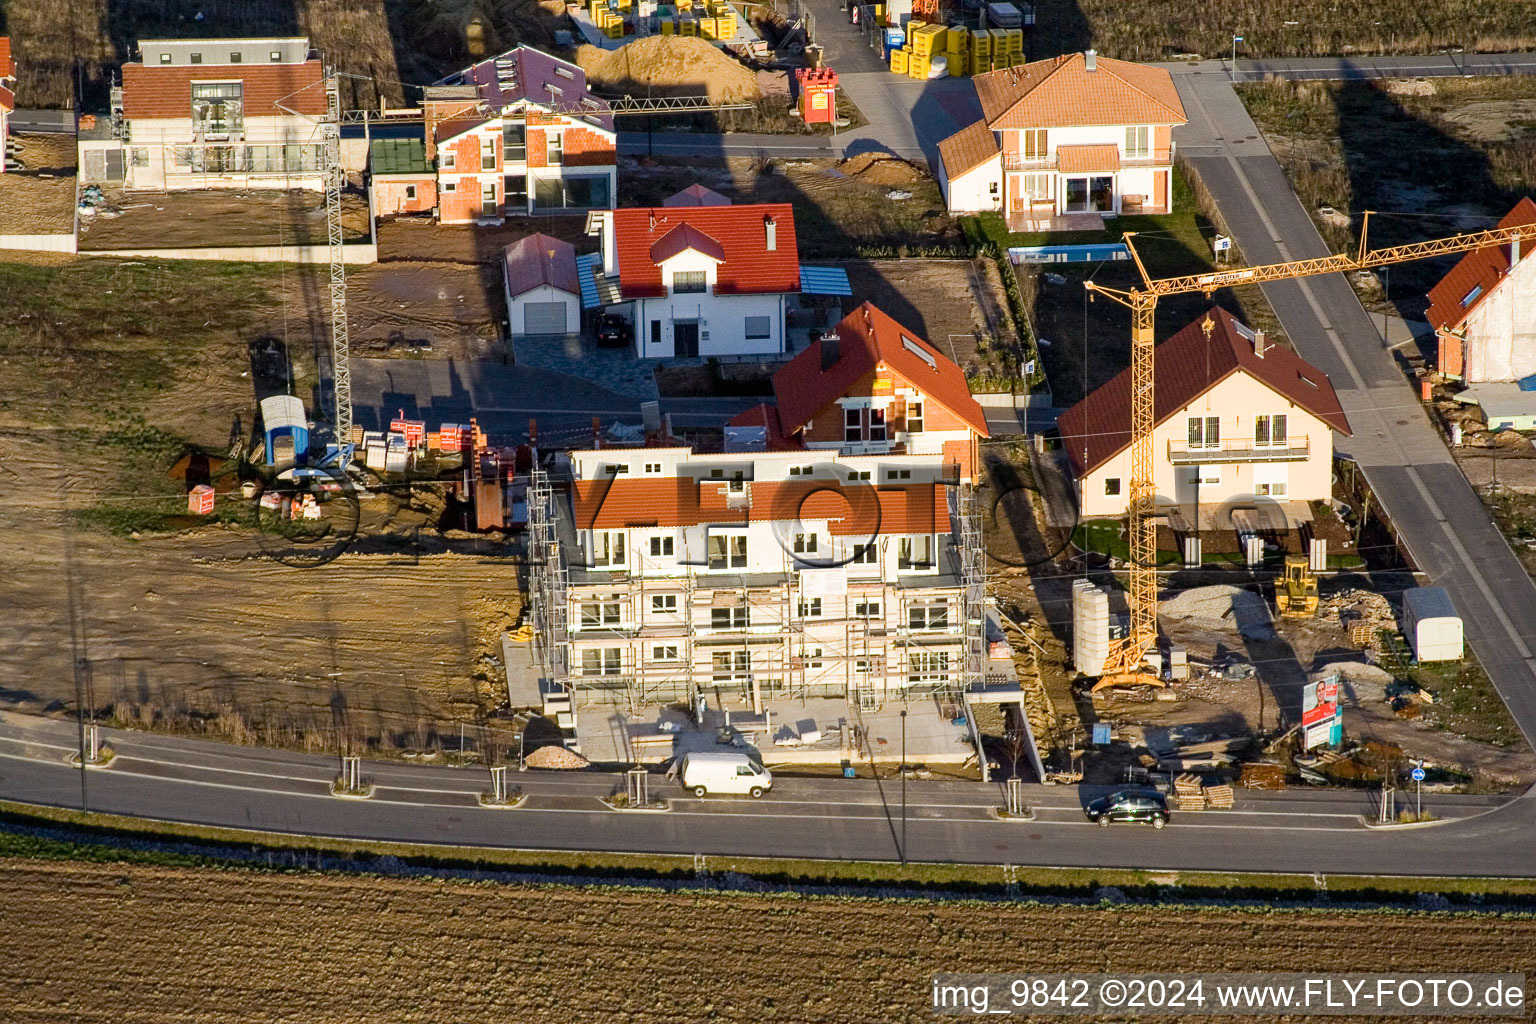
(1501, 330)
(1237, 401)
(157, 138)
(979, 190)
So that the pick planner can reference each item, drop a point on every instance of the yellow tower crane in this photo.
(1125, 666)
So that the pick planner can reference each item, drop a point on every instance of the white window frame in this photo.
(609, 549)
(1204, 431)
(866, 608)
(914, 417)
(662, 547)
(664, 652)
(609, 611)
(927, 667)
(810, 608)
(928, 615)
(805, 543)
(663, 604)
(609, 661)
(1269, 431)
(736, 616)
(1138, 141)
(735, 551)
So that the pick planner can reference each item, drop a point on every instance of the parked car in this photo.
(614, 330)
(711, 772)
(1129, 805)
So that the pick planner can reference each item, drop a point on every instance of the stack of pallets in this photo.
(1188, 793)
(1218, 798)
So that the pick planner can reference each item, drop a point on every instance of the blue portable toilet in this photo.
(286, 429)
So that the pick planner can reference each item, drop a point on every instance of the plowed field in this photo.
(137, 944)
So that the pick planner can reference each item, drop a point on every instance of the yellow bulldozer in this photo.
(1296, 589)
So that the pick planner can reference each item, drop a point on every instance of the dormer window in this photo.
(1471, 296)
(165, 58)
(197, 58)
(275, 56)
(234, 58)
(689, 282)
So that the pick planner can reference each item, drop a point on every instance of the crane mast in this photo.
(1125, 664)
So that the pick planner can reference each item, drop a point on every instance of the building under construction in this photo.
(662, 575)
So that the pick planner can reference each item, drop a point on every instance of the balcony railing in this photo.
(1182, 453)
(1151, 158)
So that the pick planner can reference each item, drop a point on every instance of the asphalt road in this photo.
(175, 779)
(1439, 518)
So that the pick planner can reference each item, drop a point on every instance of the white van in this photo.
(711, 772)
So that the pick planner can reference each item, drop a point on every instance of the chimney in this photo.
(1260, 343)
(1090, 60)
(831, 346)
(770, 234)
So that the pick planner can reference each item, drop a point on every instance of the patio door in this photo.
(1095, 194)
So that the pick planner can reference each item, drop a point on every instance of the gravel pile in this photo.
(558, 758)
(1222, 608)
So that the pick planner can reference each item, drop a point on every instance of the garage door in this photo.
(544, 318)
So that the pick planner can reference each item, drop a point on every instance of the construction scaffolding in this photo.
(965, 526)
(341, 348)
(750, 639)
(547, 584)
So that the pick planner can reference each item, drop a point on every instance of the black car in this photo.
(614, 330)
(1129, 805)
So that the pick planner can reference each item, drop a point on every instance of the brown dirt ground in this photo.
(202, 620)
(197, 219)
(39, 198)
(140, 944)
(423, 239)
(957, 305)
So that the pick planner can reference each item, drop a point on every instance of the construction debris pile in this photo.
(1221, 608)
(880, 169)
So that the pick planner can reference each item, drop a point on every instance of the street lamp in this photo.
(1232, 69)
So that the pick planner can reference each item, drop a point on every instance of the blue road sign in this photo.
(1418, 775)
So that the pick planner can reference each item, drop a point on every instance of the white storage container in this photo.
(1431, 624)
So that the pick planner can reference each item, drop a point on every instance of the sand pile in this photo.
(1222, 608)
(558, 758)
(880, 169)
(669, 66)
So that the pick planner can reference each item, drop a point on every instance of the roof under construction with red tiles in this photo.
(740, 237)
(766, 416)
(682, 238)
(539, 260)
(868, 340)
(967, 149)
(1098, 428)
(1062, 93)
(7, 99)
(850, 509)
(151, 91)
(1478, 273)
(7, 65)
(696, 195)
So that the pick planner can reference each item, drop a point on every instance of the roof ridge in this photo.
(1059, 64)
(1132, 85)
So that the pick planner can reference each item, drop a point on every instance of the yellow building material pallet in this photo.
(981, 44)
(668, 27)
(957, 40)
(899, 61)
(707, 28)
(918, 67)
(958, 64)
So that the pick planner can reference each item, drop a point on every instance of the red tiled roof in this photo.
(151, 91)
(747, 266)
(1188, 367)
(1086, 159)
(967, 149)
(7, 65)
(854, 510)
(1482, 269)
(1061, 92)
(682, 238)
(696, 195)
(539, 260)
(866, 339)
(7, 99)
